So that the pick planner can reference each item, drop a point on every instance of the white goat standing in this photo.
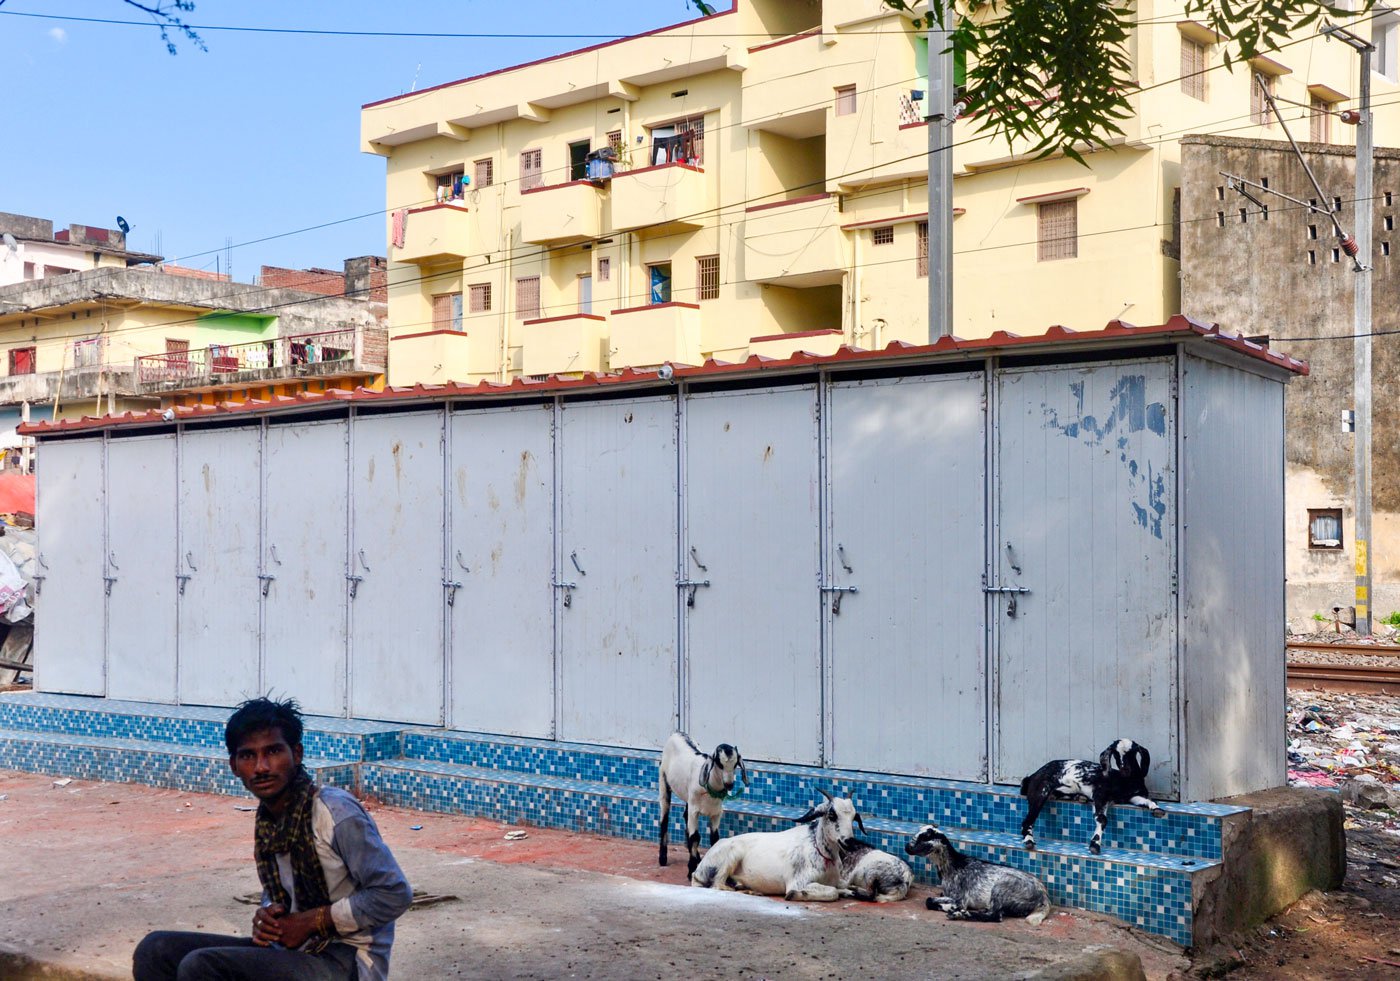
(800, 863)
(702, 783)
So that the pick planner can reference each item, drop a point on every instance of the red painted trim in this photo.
(800, 333)
(567, 316)
(814, 32)
(896, 220)
(946, 349)
(542, 61)
(437, 207)
(552, 187)
(659, 306)
(429, 333)
(913, 125)
(643, 170)
(783, 204)
(1073, 192)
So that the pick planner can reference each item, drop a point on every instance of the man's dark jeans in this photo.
(171, 955)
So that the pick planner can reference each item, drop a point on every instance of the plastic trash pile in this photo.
(1350, 743)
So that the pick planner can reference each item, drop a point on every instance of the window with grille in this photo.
(1059, 230)
(845, 100)
(680, 142)
(447, 311)
(87, 352)
(921, 269)
(1320, 120)
(883, 236)
(485, 172)
(527, 298)
(1193, 67)
(531, 169)
(604, 269)
(21, 360)
(479, 296)
(614, 139)
(707, 276)
(1258, 105)
(1325, 528)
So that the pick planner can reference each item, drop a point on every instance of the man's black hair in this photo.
(257, 714)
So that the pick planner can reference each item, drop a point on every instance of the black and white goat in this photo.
(702, 782)
(1119, 777)
(800, 863)
(978, 890)
(873, 876)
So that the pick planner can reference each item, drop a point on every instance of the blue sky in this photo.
(255, 138)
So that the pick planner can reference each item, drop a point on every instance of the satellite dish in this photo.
(10, 242)
(121, 223)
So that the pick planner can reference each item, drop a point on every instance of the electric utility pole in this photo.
(940, 113)
(1361, 319)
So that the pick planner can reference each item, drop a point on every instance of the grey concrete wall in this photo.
(23, 226)
(1261, 275)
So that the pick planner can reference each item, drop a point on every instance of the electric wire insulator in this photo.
(1349, 246)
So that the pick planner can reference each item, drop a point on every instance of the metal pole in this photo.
(940, 176)
(1361, 352)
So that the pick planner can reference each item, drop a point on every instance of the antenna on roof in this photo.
(10, 242)
(121, 223)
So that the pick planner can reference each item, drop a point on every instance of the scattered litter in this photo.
(188, 804)
(415, 827)
(516, 835)
(1350, 743)
(422, 900)
(4, 796)
(244, 807)
(65, 781)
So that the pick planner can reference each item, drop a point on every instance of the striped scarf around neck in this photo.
(291, 834)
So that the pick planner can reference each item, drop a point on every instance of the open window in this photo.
(21, 360)
(659, 277)
(680, 142)
(1325, 529)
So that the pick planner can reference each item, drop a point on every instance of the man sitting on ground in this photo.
(331, 887)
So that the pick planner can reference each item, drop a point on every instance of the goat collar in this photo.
(817, 842)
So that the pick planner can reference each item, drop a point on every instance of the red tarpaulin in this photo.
(16, 492)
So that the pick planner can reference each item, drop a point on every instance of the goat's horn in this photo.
(826, 795)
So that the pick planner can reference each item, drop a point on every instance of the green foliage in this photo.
(1393, 620)
(1319, 617)
(1058, 73)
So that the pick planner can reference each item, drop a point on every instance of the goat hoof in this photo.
(1094, 847)
(1029, 844)
(1157, 812)
(661, 860)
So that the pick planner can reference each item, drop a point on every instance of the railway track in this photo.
(1378, 679)
(1377, 650)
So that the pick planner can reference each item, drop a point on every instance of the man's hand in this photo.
(296, 928)
(267, 924)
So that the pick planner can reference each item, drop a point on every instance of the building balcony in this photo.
(561, 214)
(778, 99)
(794, 243)
(647, 336)
(441, 233)
(346, 353)
(563, 345)
(673, 194)
(72, 384)
(820, 342)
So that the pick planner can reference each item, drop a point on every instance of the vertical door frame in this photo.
(557, 447)
(825, 517)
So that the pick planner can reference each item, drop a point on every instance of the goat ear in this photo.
(1142, 759)
(743, 770)
(859, 823)
(807, 818)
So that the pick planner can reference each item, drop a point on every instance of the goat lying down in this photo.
(873, 876)
(978, 890)
(1119, 777)
(702, 783)
(801, 863)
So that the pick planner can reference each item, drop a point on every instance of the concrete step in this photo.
(1193, 830)
(1153, 891)
(344, 740)
(156, 763)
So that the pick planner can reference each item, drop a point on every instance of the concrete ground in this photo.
(89, 868)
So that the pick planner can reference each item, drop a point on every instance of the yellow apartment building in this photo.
(754, 183)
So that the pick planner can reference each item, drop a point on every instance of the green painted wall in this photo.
(232, 328)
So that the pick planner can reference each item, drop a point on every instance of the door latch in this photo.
(692, 585)
(266, 582)
(354, 581)
(451, 585)
(1011, 594)
(568, 588)
(836, 599)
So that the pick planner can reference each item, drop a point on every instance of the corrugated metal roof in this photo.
(898, 352)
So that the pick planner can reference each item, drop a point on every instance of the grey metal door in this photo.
(305, 484)
(69, 610)
(906, 459)
(753, 631)
(220, 525)
(501, 552)
(617, 569)
(141, 561)
(1086, 518)
(397, 599)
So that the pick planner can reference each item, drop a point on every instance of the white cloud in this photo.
(59, 35)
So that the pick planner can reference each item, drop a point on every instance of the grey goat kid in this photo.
(800, 863)
(873, 876)
(702, 783)
(1119, 777)
(977, 890)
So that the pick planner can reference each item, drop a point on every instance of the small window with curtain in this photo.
(531, 169)
(480, 297)
(21, 360)
(845, 100)
(1058, 223)
(527, 298)
(447, 311)
(921, 270)
(1325, 529)
(707, 276)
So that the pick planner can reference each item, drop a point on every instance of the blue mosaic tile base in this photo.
(348, 740)
(1190, 829)
(1152, 891)
(195, 769)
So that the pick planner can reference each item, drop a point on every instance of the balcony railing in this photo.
(350, 350)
